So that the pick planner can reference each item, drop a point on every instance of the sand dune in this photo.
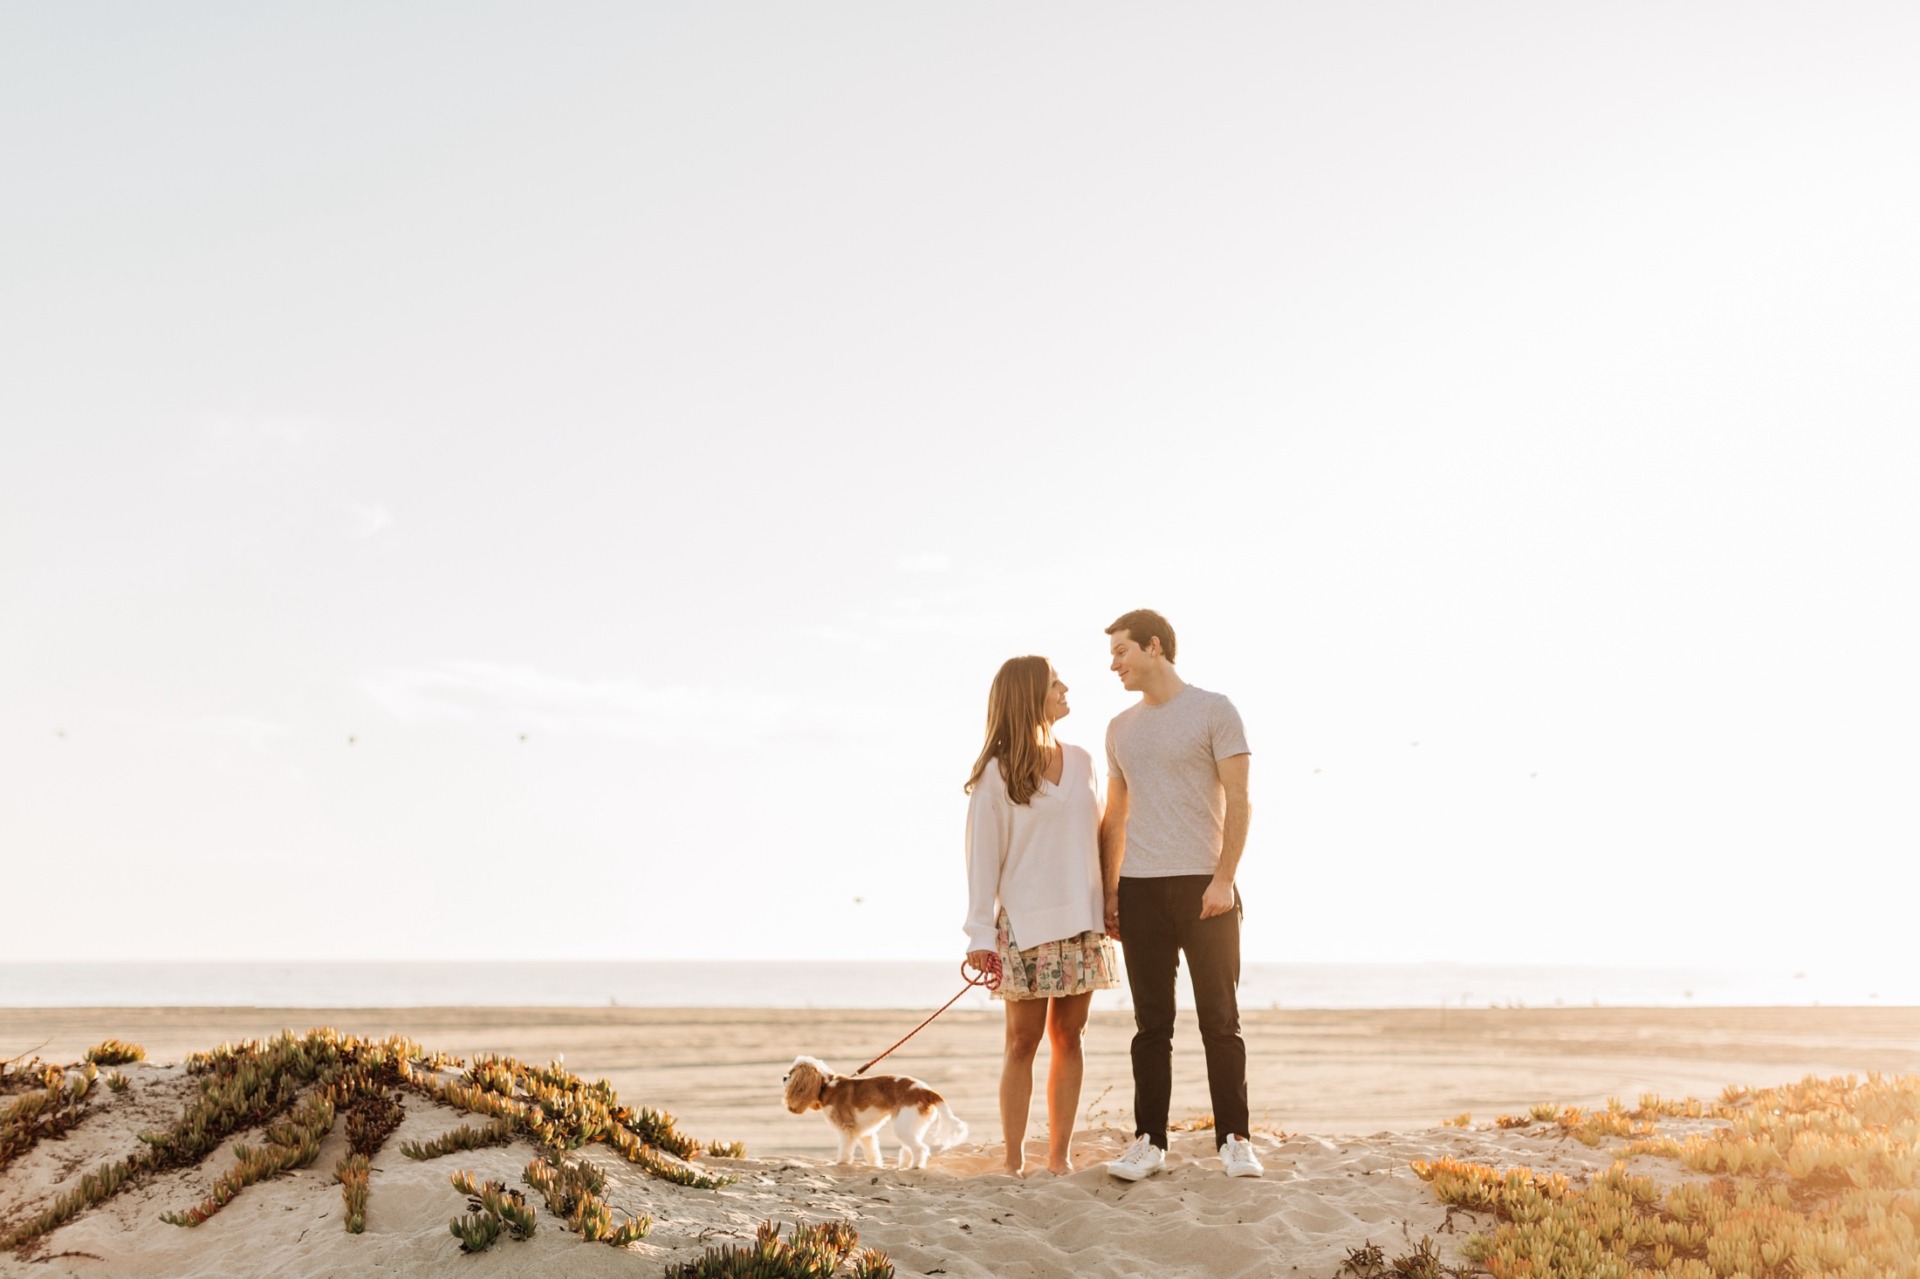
(1350, 1100)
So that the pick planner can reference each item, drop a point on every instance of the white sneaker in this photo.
(1237, 1157)
(1142, 1159)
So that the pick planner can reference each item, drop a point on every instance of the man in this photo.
(1170, 842)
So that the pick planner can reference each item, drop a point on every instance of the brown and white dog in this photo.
(857, 1105)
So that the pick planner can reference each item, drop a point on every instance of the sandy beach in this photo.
(1343, 1102)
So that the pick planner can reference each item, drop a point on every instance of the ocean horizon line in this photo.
(904, 984)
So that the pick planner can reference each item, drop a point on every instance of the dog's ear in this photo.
(804, 1084)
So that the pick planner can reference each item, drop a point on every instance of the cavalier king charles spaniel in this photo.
(858, 1105)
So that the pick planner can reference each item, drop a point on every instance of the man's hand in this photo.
(1113, 848)
(1217, 900)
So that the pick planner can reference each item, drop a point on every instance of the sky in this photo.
(556, 481)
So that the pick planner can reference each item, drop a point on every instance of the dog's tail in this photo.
(948, 1130)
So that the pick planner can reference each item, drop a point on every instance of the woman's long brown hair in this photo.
(1018, 735)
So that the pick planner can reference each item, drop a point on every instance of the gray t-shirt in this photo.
(1176, 807)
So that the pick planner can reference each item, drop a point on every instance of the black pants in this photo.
(1160, 918)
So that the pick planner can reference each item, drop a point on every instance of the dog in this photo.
(858, 1105)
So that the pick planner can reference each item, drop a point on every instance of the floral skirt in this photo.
(1071, 966)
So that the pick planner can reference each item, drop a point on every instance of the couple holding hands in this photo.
(1053, 880)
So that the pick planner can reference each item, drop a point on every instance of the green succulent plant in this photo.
(292, 1088)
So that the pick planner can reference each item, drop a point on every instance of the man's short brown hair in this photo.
(1142, 625)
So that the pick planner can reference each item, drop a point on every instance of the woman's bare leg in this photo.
(1066, 1023)
(1026, 1022)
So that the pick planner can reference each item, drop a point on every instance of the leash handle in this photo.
(974, 976)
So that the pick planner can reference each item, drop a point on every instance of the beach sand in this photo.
(1342, 1102)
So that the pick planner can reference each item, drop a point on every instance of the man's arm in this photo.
(1113, 848)
(1218, 899)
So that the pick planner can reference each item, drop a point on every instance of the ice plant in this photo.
(465, 1137)
(115, 1053)
(292, 1087)
(49, 1111)
(351, 1173)
(573, 1189)
(1815, 1180)
(491, 1208)
(813, 1252)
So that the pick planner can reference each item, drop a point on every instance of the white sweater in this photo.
(1039, 861)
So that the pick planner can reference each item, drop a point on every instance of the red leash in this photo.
(988, 977)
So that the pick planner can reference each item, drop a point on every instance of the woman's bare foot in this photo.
(1015, 1169)
(1060, 1169)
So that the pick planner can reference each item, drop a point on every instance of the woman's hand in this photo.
(982, 961)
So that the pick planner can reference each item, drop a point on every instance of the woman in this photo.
(1034, 896)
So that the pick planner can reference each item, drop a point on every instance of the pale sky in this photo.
(1513, 406)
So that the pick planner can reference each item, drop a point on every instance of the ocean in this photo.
(904, 985)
